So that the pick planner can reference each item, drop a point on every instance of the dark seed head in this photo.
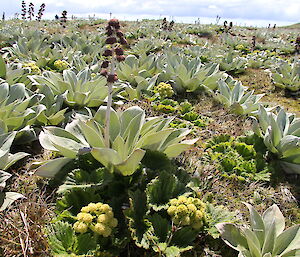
(105, 64)
(111, 40)
(111, 78)
(119, 51)
(123, 41)
(103, 72)
(109, 32)
(119, 33)
(120, 58)
(113, 22)
(108, 52)
(117, 26)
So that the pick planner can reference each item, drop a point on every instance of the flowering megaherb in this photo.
(23, 14)
(187, 211)
(30, 11)
(167, 26)
(164, 90)
(97, 217)
(41, 12)
(113, 52)
(63, 19)
(61, 65)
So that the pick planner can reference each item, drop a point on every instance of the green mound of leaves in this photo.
(242, 158)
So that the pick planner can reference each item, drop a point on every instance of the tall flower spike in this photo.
(41, 12)
(23, 10)
(114, 53)
(63, 19)
(31, 11)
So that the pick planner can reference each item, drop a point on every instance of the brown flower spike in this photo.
(115, 38)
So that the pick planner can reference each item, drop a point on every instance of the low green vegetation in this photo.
(148, 139)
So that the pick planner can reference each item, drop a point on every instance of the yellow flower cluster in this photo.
(98, 217)
(164, 90)
(240, 47)
(61, 64)
(33, 67)
(187, 211)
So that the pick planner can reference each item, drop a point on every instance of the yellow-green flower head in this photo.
(182, 199)
(181, 209)
(199, 215)
(197, 225)
(33, 67)
(110, 214)
(85, 217)
(98, 206)
(102, 230)
(192, 208)
(105, 208)
(113, 223)
(173, 201)
(80, 227)
(61, 64)
(92, 207)
(240, 47)
(85, 209)
(172, 210)
(98, 217)
(103, 218)
(107, 231)
(99, 228)
(186, 220)
(187, 211)
(164, 90)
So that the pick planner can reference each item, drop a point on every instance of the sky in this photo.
(256, 12)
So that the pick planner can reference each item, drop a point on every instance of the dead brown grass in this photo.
(261, 82)
(22, 227)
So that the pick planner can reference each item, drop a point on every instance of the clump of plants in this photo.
(187, 113)
(264, 237)
(287, 76)
(197, 119)
(184, 110)
(241, 158)
(166, 106)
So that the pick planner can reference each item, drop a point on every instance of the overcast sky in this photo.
(273, 10)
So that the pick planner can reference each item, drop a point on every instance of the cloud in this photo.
(281, 10)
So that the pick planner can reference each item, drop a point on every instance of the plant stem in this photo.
(109, 104)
